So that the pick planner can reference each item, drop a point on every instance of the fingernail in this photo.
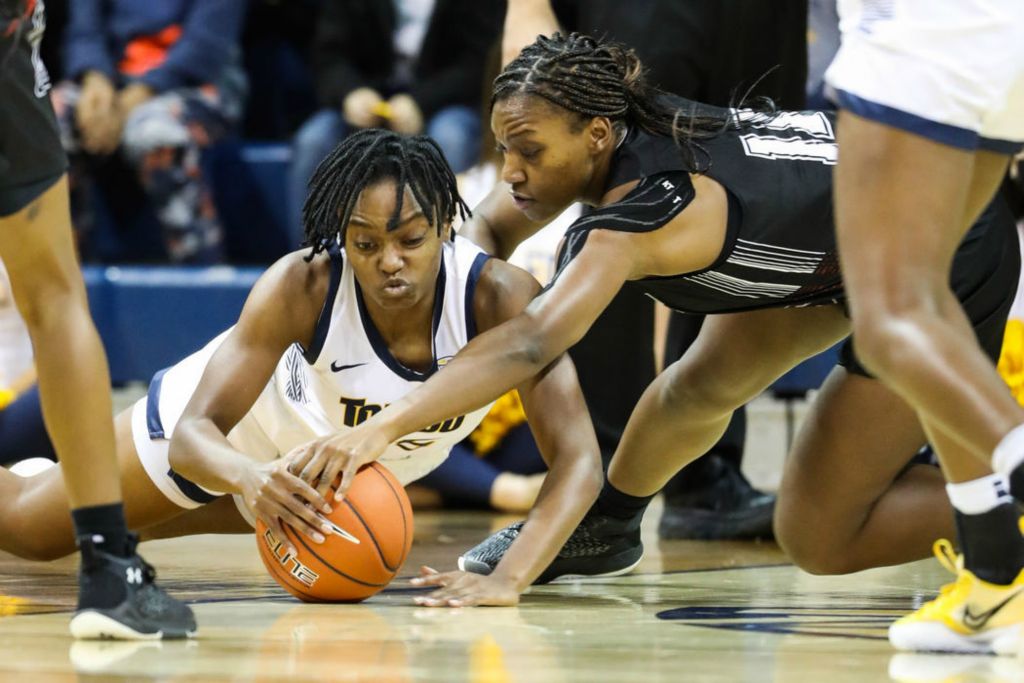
(416, 582)
(326, 528)
(319, 538)
(327, 509)
(339, 497)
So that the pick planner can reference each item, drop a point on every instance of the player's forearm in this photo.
(201, 453)
(524, 21)
(569, 490)
(486, 368)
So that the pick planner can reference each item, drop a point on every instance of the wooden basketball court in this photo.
(693, 611)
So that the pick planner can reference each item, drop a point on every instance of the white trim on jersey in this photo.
(771, 257)
(740, 287)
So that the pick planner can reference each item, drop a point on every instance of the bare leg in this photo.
(844, 505)
(687, 408)
(902, 203)
(74, 382)
(219, 517)
(35, 522)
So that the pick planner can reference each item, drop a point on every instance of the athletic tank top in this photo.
(345, 376)
(780, 247)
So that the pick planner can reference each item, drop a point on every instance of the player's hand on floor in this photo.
(278, 497)
(463, 589)
(321, 461)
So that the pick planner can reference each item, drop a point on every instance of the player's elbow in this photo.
(534, 349)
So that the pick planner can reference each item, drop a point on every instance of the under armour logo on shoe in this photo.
(134, 574)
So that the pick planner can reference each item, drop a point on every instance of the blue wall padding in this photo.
(151, 317)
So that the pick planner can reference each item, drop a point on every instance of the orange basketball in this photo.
(371, 539)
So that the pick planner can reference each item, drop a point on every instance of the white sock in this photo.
(979, 495)
(1010, 451)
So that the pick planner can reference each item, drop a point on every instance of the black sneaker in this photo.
(600, 546)
(723, 506)
(146, 613)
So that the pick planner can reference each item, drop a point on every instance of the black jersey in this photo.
(31, 156)
(780, 246)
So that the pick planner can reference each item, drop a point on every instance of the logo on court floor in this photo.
(868, 623)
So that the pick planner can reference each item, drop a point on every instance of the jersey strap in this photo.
(655, 201)
(474, 277)
(323, 323)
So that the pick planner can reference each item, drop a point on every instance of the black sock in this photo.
(106, 525)
(1016, 480)
(992, 543)
(614, 503)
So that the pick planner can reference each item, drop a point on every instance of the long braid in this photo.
(365, 158)
(595, 78)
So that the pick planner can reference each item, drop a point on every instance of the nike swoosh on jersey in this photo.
(978, 621)
(338, 368)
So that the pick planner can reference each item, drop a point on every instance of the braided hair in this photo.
(363, 159)
(594, 78)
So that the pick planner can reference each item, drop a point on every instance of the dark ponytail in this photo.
(595, 78)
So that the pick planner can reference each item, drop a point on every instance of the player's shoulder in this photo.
(297, 284)
(502, 292)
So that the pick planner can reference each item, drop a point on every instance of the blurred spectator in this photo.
(22, 433)
(278, 62)
(157, 81)
(409, 65)
(822, 45)
(498, 466)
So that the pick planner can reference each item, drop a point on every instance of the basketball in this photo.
(372, 536)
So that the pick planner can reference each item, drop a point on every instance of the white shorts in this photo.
(153, 456)
(949, 70)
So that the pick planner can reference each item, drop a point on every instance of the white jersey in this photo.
(949, 70)
(346, 376)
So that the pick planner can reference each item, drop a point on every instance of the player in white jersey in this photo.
(932, 108)
(327, 338)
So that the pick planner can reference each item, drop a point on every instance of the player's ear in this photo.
(600, 134)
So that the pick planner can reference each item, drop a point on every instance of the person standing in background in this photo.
(117, 592)
(413, 66)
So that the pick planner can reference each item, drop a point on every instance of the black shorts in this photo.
(31, 156)
(986, 269)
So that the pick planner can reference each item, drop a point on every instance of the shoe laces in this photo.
(952, 592)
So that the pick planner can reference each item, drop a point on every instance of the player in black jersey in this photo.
(117, 594)
(720, 212)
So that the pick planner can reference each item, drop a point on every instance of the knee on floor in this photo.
(814, 552)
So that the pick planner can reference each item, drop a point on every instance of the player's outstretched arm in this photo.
(558, 418)
(282, 309)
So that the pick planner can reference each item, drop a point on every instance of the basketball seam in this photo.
(369, 532)
(300, 539)
(401, 508)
